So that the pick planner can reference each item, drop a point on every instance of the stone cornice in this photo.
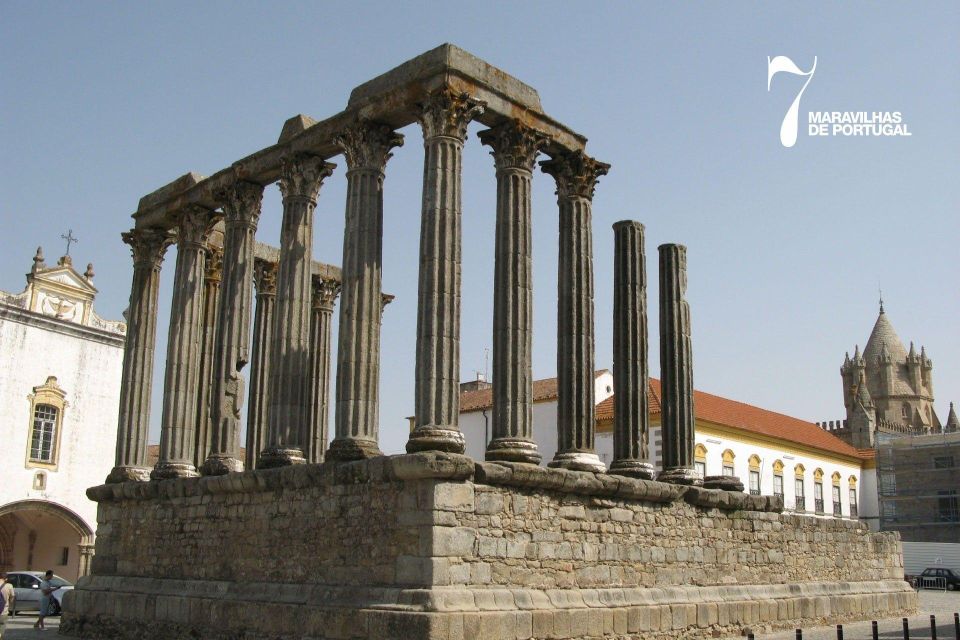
(72, 329)
(390, 98)
(444, 467)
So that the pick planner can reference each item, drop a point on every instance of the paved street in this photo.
(941, 604)
(21, 627)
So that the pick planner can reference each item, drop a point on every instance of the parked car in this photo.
(949, 576)
(26, 585)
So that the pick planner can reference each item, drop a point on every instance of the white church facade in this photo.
(59, 397)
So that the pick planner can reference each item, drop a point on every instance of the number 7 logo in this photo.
(788, 129)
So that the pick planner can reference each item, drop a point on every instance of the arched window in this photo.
(835, 494)
(754, 463)
(47, 403)
(778, 478)
(818, 490)
(852, 482)
(728, 458)
(800, 497)
(905, 411)
(700, 460)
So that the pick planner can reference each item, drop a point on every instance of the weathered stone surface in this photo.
(676, 368)
(367, 147)
(576, 175)
(630, 360)
(148, 248)
(444, 117)
(288, 415)
(726, 483)
(232, 352)
(515, 148)
(265, 278)
(181, 379)
(409, 547)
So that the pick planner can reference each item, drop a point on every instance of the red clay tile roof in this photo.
(731, 413)
(480, 399)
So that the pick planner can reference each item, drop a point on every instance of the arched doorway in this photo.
(36, 535)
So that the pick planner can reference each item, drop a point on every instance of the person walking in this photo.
(7, 598)
(46, 594)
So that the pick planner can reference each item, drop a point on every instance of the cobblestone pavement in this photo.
(21, 627)
(942, 604)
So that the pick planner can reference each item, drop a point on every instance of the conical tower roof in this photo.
(884, 334)
(953, 424)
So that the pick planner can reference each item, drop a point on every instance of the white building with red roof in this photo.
(773, 454)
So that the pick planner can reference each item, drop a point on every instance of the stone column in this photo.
(630, 373)
(444, 119)
(289, 413)
(515, 149)
(86, 550)
(265, 278)
(367, 148)
(182, 377)
(325, 292)
(148, 247)
(576, 175)
(676, 369)
(211, 298)
(241, 213)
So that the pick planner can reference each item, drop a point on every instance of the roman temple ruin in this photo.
(344, 542)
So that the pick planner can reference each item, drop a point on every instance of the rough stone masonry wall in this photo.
(437, 546)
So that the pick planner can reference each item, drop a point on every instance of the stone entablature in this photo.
(434, 545)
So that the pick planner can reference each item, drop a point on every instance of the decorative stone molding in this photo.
(576, 174)
(447, 113)
(367, 145)
(148, 246)
(325, 293)
(515, 145)
(301, 176)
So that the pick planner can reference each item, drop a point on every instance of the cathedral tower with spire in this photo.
(887, 389)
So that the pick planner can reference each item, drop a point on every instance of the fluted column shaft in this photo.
(288, 417)
(367, 149)
(444, 119)
(182, 377)
(630, 365)
(211, 298)
(148, 247)
(232, 352)
(576, 175)
(676, 369)
(265, 278)
(325, 292)
(515, 149)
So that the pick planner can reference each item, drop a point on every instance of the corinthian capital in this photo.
(241, 203)
(301, 175)
(148, 245)
(446, 113)
(194, 226)
(325, 292)
(515, 145)
(214, 264)
(265, 277)
(367, 145)
(576, 174)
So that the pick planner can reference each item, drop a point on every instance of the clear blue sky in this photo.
(101, 103)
